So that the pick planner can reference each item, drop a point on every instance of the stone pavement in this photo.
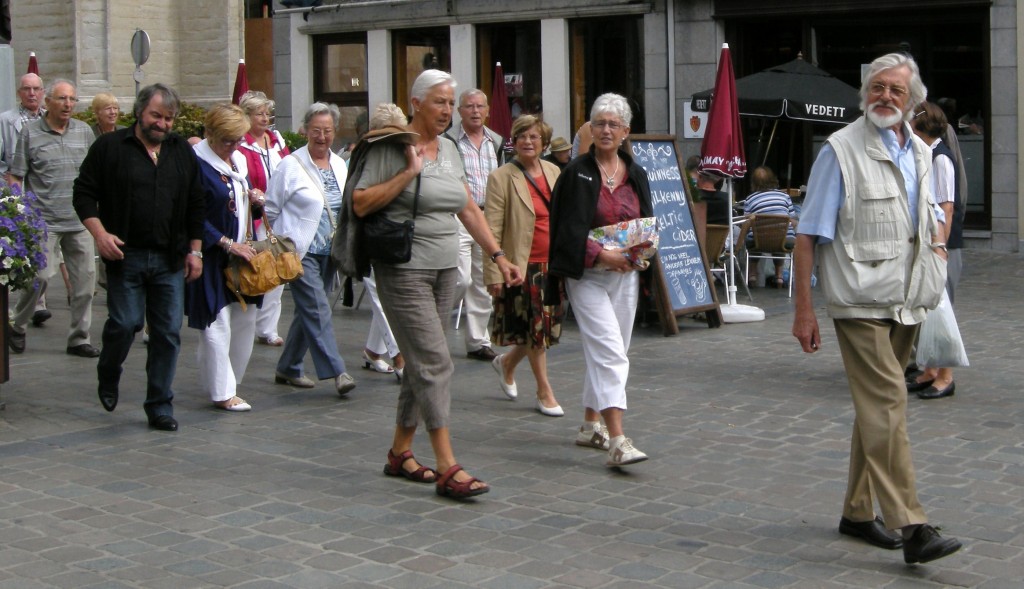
(748, 439)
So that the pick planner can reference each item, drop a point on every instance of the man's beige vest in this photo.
(879, 266)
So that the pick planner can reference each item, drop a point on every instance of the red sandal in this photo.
(447, 486)
(394, 468)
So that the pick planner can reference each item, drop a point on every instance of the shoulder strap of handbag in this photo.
(533, 183)
(319, 185)
(416, 198)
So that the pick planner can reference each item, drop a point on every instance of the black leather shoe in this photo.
(164, 423)
(84, 351)
(914, 386)
(927, 545)
(484, 353)
(934, 393)
(873, 532)
(15, 341)
(108, 396)
(40, 317)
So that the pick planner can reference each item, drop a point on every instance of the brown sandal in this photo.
(447, 486)
(394, 468)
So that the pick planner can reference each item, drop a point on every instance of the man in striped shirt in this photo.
(767, 199)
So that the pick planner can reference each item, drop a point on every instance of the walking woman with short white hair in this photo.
(601, 187)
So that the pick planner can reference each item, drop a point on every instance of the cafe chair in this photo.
(715, 253)
(769, 232)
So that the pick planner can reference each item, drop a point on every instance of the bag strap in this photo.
(416, 198)
(533, 183)
(319, 186)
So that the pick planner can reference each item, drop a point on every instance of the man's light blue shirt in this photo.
(826, 192)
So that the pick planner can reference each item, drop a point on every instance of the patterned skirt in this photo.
(522, 315)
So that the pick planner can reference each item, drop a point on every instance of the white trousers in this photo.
(604, 304)
(379, 340)
(473, 292)
(224, 350)
(268, 316)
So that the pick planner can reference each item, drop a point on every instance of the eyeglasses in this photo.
(231, 142)
(898, 92)
(612, 125)
(320, 132)
(529, 137)
(31, 89)
(68, 99)
(473, 106)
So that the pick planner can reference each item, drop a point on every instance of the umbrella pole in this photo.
(731, 312)
(770, 138)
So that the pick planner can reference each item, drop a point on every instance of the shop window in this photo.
(606, 55)
(416, 50)
(339, 63)
(517, 47)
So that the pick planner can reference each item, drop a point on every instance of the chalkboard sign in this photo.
(683, 283)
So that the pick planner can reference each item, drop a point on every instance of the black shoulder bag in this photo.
(387, 241)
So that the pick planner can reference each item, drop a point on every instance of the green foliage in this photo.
(293, 140)
(188, 124)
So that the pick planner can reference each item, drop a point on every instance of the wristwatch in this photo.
(196, 253)
(496, 255)
(941, 246)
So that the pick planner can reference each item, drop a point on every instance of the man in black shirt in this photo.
(138, 194)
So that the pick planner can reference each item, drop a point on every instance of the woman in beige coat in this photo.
(517, 210)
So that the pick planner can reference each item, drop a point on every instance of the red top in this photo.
(542, 226)
(622, 204)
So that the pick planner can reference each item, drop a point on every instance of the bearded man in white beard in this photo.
(871, 220)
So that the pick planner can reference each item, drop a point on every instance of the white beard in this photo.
(883, 121)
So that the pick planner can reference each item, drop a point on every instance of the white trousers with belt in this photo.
(604, 304)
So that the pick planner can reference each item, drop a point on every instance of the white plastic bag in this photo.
(939, 344)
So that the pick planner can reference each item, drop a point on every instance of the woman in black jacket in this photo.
(601, 187)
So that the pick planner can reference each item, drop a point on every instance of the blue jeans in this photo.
(143, 288)
(311, 327)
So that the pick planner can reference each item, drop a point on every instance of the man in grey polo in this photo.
(46, 161)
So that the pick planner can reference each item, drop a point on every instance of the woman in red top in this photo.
(263, 149)
(517, 209)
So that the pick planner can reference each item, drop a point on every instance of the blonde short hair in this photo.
(103, 100)
(254, 100)
(225, 121)
(387, 114)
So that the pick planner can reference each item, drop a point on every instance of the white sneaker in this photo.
(344, 383)
(622, 452)
(592, 435)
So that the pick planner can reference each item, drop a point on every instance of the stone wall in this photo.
(195, 44)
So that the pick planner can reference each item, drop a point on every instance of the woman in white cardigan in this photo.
(303, 200)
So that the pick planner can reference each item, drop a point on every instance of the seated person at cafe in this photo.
(768, 199)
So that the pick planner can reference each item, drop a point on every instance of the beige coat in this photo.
(510, 215)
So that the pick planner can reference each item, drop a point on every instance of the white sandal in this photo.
(376, 365)
(238, 405)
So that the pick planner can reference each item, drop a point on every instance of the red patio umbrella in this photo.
(721, 153)
(33, 65)
(241, 82)
(501, 117)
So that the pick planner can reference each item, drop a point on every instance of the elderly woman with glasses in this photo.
(601, 187)
(107, 110)
(417, 295)
(303, 201)
(518, 212)
(225, 323)
(263, 149)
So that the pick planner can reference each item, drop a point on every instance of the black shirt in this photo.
(153, 206)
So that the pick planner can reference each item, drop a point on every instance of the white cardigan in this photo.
(295, 196)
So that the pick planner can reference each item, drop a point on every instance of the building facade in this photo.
(560, 54)
(195, 45)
